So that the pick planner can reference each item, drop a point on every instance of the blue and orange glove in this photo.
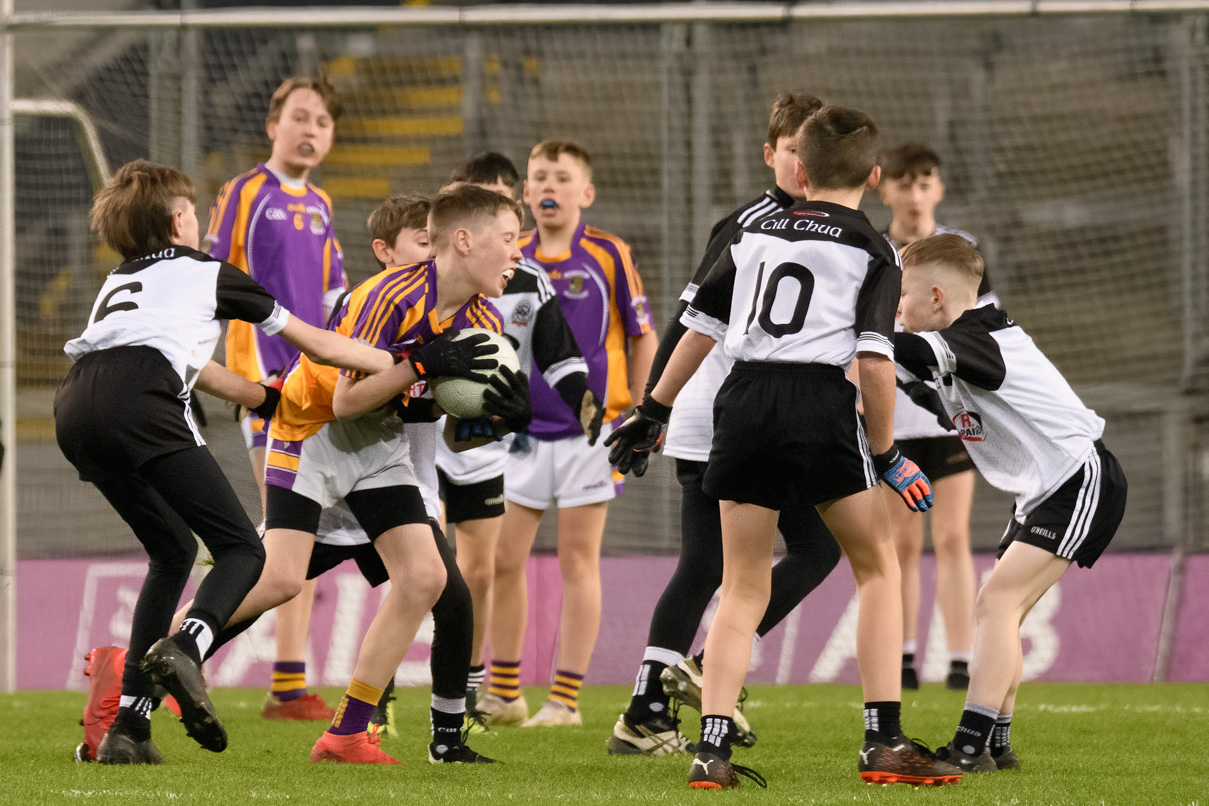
(906, 478)
(635, 439)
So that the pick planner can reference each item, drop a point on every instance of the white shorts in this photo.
(341, 457)
(562, 473)
(483, 463)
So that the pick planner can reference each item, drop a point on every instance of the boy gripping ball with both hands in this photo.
(1029, 434)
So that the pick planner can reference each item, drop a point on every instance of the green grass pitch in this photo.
(1079, 744)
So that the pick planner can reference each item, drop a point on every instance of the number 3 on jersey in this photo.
(765, 299)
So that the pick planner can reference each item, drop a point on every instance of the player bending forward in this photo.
(796, 297)
(1029, 434)
(122, 418)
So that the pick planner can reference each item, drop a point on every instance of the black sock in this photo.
(648, 700)
(1001, 734)
(974, 731)
(908, 660)
(134, 719)
(959, 666)
(883, 721)
(716, 734)
(446, 728)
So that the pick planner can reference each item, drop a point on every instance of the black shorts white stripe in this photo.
(476, 500)
(1079, 519)
(119, 408)
(782, 428)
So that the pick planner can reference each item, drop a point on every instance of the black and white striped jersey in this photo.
(691, 428)
(1025, 428)
(912, 421)
(174, 300)
(814, 284)
(534, 323)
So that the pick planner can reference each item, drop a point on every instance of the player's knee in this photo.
(478, 576)
(950, 542)
(175, 562)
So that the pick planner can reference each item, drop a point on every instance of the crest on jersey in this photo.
(640, 308)
(969, 426)
(522, 313)
(575, 285)
(316, 222)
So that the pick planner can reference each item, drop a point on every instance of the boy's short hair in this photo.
(553, 149)
(320, 85)
(132, 214)
(911, 160)
(397, 213)
(487, 168)
(950, 251)
(789, 112)
(466, 205)
(838, 147)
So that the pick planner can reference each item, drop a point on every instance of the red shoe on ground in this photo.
(307, 708)
(104, 672)
(352, 749)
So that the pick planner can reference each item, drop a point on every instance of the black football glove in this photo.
(589, 408)
(272, 396)
(445, 357)
(478, 428)
(928, 398)
(414, 409)
(635, 439)
(507, 397)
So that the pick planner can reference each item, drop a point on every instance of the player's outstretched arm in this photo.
(221, 382)
(877, 383)
(634, 439)
(331, 348)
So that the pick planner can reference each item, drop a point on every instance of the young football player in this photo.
(912, 187)
(796, 297)
(122, 417)
(648, 726)
(472, 482)
(277, 226)
(601, 297)
(332, 440)
(1029, 434)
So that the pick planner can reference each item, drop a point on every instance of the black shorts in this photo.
(937, 457)
(325, 557)
(377, 510)
(471, 502)
(117, 409)
(1079, 518)
(787, 428)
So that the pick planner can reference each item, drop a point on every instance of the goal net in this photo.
(1074, 147)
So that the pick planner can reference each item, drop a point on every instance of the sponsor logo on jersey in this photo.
(1046, 533)
(815, 213)
(275, 214)
(522, 313)
(969, 426)
(801, 225)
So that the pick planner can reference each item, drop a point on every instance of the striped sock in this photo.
(289, 680)
(565, 690)
(505, 681)
(355, 709)
(716, 735)
(1001, 734)
(476, 677)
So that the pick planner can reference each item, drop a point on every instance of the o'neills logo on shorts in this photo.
(969, 426)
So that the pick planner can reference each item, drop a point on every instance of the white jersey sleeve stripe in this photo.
(561, 369)
(689, 293)
(705, 324)
(875, 343)
(276, 321)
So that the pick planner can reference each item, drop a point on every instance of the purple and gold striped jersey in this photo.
(395, 308)
(284, 239)
(601, 297)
